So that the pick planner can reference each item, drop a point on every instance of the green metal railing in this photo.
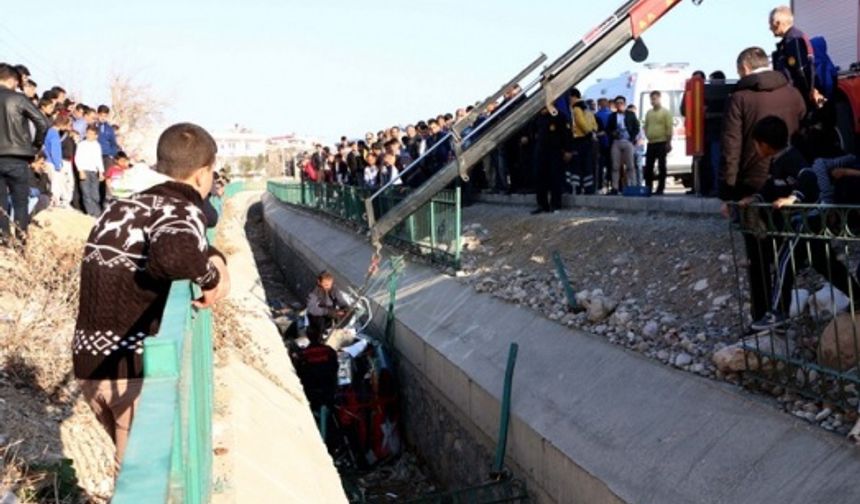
(169, 453)
(233, 188)
(433, 231)
(801, 260)
(218, 205)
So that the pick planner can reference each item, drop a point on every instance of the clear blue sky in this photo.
(332, 67)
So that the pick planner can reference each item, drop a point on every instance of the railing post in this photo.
(410, 226)
(433, 224)
(458, 222)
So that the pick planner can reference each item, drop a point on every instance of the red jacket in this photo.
(309, 172)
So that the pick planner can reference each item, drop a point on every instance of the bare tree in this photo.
(137, 109)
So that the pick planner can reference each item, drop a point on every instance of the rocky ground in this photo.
(661, 285)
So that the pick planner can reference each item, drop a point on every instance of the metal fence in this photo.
(169, 453)
(797, 294)
(433, 231)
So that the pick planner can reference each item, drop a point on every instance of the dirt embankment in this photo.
(52, 448)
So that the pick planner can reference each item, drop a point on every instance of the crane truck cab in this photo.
(636, 87)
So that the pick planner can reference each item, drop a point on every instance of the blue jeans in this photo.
(90, 194)
(14, 186)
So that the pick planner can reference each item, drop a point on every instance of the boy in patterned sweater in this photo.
(137, 248)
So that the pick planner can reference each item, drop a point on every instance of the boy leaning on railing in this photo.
(790, 183)
(138, 247)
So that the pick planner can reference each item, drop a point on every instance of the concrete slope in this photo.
(274, 449)
(274, 452)
(593, 423)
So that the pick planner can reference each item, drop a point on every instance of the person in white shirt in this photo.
(371, 172)
(88, 158)
(389, 170)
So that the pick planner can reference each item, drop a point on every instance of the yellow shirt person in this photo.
(658, 125)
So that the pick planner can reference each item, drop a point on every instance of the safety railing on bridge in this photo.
(800, 286)
(432, 231)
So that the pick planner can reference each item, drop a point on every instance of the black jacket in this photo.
(794, 58)
(552, 136)
(631, 122)
(325, 304)
(68, 146)
(356, 164)
(787, 176)
(16, 112)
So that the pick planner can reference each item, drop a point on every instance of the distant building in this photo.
(240, 142)
(292, 142)
(244, 153)
(282, 151)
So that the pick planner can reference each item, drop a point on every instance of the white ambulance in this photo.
(636, 87)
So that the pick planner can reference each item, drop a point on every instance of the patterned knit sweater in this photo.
(136, 249)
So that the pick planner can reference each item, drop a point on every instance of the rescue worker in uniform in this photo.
(584, 133)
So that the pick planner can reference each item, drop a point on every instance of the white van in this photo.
(669, 79)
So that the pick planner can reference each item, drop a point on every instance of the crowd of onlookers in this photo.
(771, 138)
(58, 152)
(600, 157)
(585, 146)
(54, 151)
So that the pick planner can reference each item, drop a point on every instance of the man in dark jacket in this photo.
(761, 92)
(318, 158)
(17, 148)
(107, 136)
(623, 128)
(355, 162)
(794, 55)
(553, 149)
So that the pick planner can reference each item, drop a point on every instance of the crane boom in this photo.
(626, 24)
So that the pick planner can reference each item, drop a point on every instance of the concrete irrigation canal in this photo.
(590, 421)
